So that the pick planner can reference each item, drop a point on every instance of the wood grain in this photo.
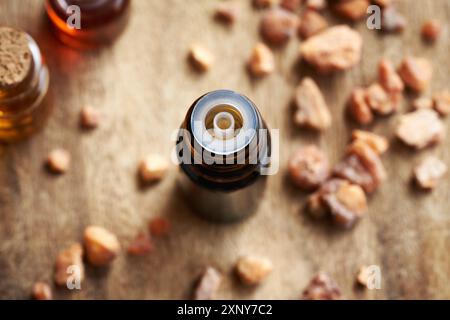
(144, 86)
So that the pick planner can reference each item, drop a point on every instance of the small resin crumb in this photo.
(58, 161)
(153, 168)
(141, 245)
(322, 287)
(102, 246)
(343, 202)
(389, 78)
(378, 143)
(379, 100)
(335, 49)
(41, 291)
(358, 107)
(159, 226)
(362, 166)
(262, 61)
(429, 172)
(253, 270)
(311, 23)
(278, 26)
(227, 12)
(346, 202)
(441, 103)
(311, 108)
(362, 277)
(201, 58)
(89, 117)
(70, 257)
(391, 20)
(208, 284)
(353, 10)
(416, 73)
(309, 168)
(370, 158)
(420, 129)
(431, 30)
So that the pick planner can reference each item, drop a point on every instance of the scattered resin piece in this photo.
(227, 12)
(159, 226)
(379, 100)
(141, 245)
(370, 158)
(358, 107)
(431, 30)
(253, 270)
(353, 10)
(391, 20)
(58, 161)
(311, 23)
(89, 117)
(278, 26)
(416, 73)
(208, 284)
(311, 108)
(201, 58)
(41, 291)
(342, 201)
(441, 103)
(378, 143)
(420, 128)
(309, 168)
(153, 168)
(262, 61)
(335, 49)
(362, 277)
(429, 172)
(102, 246)
(389, 78)
(322, 287)
(70, 257)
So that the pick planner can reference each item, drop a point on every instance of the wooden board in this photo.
(144, 86)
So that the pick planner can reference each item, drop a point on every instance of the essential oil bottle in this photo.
(24, 82)
(100, 22)
(223, 148)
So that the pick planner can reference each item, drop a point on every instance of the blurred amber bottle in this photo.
(88, 24)
(24, 81)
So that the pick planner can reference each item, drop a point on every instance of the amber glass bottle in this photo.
(24, 81)
(101, 21)
(222, 147)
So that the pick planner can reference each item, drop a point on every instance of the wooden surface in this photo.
(144, 86)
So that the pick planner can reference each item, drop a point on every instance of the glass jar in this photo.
(24, 82)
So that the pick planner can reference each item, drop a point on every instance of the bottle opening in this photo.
(224, 122)
(224, 125)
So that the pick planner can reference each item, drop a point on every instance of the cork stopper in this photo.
(15, 57)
